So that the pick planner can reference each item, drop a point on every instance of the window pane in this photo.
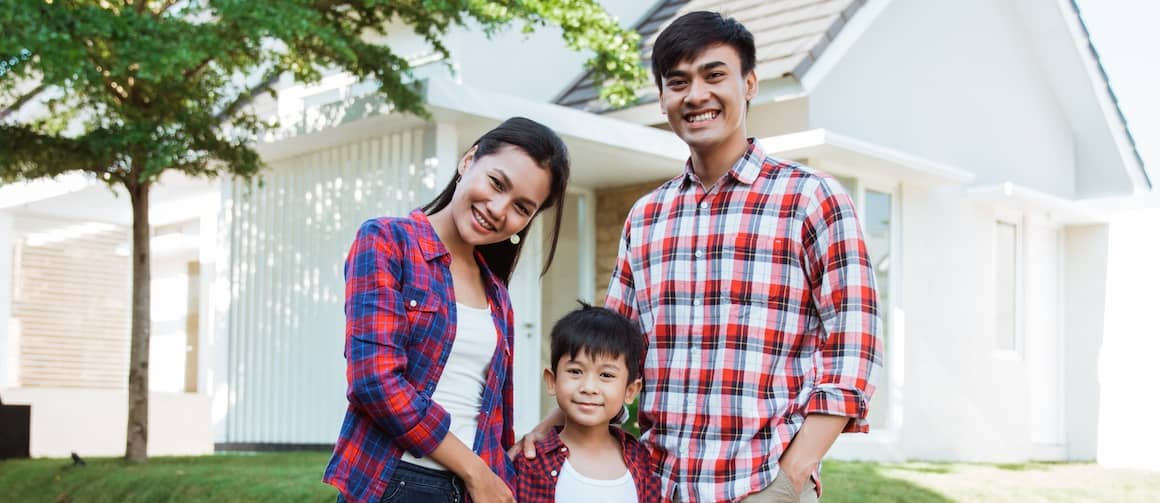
(877, 223)
(1006, 249)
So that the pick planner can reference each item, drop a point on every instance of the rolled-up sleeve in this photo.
(841, 278)
(376, 334)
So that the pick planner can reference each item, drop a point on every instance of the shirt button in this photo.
(563, 449)
(553, 473)
(704, 206)
(697, 254)
(413, 303)
(696, 302)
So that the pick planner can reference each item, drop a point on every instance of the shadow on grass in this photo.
(845, 481)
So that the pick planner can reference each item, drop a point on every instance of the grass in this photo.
(295, 477)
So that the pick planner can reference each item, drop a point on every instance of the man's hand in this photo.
(805, 452)
(527, 443)
(797, 470)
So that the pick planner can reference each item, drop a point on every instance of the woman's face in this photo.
(497, 195)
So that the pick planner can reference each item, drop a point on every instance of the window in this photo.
(1007, 265)
(876, 202)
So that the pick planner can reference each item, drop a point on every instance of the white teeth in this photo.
(703, 117)
(482, 223)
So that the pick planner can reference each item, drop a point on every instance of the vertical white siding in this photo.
(288, 238)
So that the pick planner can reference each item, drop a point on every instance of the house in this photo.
(1008, 214)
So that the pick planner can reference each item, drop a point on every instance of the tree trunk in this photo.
(138, 428)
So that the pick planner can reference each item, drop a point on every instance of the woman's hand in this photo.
(527, 443)
(486, 487)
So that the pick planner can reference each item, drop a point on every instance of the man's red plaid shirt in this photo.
(757, 299)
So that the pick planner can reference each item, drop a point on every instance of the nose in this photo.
(587, 385)
(698, 92)
(497, 208)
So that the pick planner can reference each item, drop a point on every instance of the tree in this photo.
(134, 88)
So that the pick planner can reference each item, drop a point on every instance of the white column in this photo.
(8, 347)
(218, 302)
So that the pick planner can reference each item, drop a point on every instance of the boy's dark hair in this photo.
(599, 332)
(694, 32)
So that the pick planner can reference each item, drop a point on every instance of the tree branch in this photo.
(164, 7)
(13, 108)
(246, 98)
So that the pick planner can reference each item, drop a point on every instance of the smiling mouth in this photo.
(479, 219)
(702, 117)
(582, 404)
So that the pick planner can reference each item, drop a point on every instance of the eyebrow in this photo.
(508, 183)
(703, 68)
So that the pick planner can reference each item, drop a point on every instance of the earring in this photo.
(515, 239)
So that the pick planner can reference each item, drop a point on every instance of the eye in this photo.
(716, 75)
(573, 371)
(495, 183)
(608, 375)
(524, 210)
(676, 83)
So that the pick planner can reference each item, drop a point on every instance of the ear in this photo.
(467, 160)
(631, 391)
(550, 382)
(750, 85)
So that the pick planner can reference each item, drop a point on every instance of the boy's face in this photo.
(590, 390)
(704, 98)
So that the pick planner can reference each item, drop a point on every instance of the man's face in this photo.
(704, 98)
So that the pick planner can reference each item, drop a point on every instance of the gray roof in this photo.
(790, 36)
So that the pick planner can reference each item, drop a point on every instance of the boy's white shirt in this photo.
(574, 487)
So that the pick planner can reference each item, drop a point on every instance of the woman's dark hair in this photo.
(598, 331)
(692, 33)
(546, 148)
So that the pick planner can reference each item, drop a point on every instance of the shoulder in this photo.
(656, 198)
(631, 446)
(782, 176)
(387, 227)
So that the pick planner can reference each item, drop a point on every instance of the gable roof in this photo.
(790, 36)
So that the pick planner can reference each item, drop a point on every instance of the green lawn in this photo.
(295, 477)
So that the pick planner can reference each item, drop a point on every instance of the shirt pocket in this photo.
(425, 315)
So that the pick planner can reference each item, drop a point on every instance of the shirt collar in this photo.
(432, 248)
(552, 441)
(744, 170)
(429, 243)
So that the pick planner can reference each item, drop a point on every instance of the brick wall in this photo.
(612, 206)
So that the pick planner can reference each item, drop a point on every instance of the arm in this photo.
(377, 330)
(841, 280)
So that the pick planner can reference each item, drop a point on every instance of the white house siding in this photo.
(1125, 368)
(954, 82)
(66, 342)
(288, 239)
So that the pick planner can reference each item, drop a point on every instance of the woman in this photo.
(429, 328)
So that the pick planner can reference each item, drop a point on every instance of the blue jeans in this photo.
(414, 483)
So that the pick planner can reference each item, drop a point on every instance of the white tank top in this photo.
(460, 388)
(572, 487)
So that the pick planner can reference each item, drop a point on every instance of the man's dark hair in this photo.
(598, 331)
(692, 33)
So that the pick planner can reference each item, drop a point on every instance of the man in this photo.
(752, 284)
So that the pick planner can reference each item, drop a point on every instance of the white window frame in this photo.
(1016, 219)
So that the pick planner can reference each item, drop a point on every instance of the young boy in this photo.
(596, 357)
